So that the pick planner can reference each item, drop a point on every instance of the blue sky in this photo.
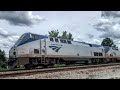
(79, 23)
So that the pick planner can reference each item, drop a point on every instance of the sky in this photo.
(87, 26)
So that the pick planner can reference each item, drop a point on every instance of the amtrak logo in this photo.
(56, 48)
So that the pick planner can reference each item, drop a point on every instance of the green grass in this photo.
(59, 65)
(63, 65)
(8, 69)
(21, 68)
(4, 69)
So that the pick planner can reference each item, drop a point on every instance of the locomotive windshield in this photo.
(19, 40)
(28, 37)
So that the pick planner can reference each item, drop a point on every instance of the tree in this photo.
(55, 33)
(64, 35)
(70, 36)
(2, 59)
(107, 42)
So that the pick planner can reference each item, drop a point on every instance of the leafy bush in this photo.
(3, 59)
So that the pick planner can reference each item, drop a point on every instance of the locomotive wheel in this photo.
(93, 61)
(27, 66)
(51, 65)
(67, 63)
(45, 66)
(86, 62)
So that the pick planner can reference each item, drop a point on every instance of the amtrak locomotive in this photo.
(33, 50)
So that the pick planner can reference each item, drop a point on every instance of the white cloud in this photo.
(20, 18)
(110, 14)
(8, 39)
(96, 41)
(13, 38)
(90, 35)
(109, 24)
(4, 33)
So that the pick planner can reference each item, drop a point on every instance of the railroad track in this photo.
(47, 70)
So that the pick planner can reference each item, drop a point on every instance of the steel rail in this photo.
(48, 70)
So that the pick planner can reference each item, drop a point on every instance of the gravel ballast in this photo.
(111, 72)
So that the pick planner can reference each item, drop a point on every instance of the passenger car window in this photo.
(69, 42)
(51, 39)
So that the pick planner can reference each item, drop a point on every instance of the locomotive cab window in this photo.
(90, 45)
(34, 36)
(69, 42)
(51, 39)
(56, 40)
(36, 51)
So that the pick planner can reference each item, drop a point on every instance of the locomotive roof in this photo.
(28, 37)
(93, 45)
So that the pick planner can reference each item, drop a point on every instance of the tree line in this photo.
(65, 35)
(109, 42)
(3, 59)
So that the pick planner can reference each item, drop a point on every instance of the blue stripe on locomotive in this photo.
(27, 39)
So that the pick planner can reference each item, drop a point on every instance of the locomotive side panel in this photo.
(63, 49)
(60, 49)
(28, 48)
(83, 50)
(98, 49)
